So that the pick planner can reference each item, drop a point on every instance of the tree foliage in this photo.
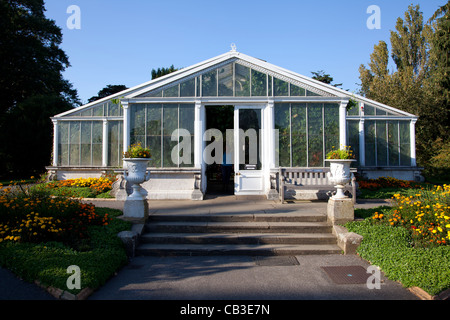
(33, 88)
(324, 77)
(417, 83)
(162, 72)
(110, 89)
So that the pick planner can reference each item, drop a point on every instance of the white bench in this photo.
(310, 179)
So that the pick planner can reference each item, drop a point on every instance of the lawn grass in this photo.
(98, 259)
(392, 249)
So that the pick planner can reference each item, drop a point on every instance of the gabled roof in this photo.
(308, 83)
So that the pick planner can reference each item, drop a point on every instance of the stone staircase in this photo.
(237, 234)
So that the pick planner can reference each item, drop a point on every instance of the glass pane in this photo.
(270, 93)
(170, 124)
(137, 124)
(113, 110)
(405, 143)
(331, 126)
(242, 81)
(380, 112)
(154, 143)
(97, 111)
(171, 92)
(394, 156)
(299, 135)
(187, 118)
(97, 143)
(259, 84)
(282, 124)
(280, 88)
(187, 88)
(369, 110)
(315, 136)
(353, 139)
(86, 136)
(74, 144)
(226, 80)
(354, 111)
(209, 84)
(249, 139)
(297, 91)
(312, 94)
(381, 143)
(113, 144)
(369, 136)
(154, 94)
(85, 155)
(63, 148)
(86, 113)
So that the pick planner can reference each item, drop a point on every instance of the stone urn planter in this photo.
(340, 175)
(136, 173)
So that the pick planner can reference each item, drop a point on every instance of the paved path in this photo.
(226, 277)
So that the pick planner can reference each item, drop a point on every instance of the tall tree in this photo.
(408, 86)
(110, 89)
(32, 85)
(324, 77)
(162, 72)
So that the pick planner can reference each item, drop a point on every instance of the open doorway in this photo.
(220, 176)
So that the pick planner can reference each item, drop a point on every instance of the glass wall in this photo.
(387, 143)
(307, 132)
(232, 80)
(80, 143)
(153, 125)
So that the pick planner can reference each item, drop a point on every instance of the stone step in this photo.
(238, 238)
(235, 249)
(227, 217)
(239, 227)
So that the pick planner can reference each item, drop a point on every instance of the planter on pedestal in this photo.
(340, 175)
(135, 173)
(340, 208)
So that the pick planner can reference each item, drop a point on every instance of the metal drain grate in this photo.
(347, 274)
(279, 261)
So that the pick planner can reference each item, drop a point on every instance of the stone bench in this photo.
(312, 179)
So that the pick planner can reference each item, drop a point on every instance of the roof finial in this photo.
(233, 47)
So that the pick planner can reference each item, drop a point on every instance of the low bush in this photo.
(47, 262)
(42, 235)
(393, 251)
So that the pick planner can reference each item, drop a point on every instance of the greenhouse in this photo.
(262, 117)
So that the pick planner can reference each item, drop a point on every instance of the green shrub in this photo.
(392, 250)
(48, 262)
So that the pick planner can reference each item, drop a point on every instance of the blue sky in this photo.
(121, 41)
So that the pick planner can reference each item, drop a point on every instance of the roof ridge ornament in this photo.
(233, 48)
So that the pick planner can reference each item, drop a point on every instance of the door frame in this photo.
(252, 178)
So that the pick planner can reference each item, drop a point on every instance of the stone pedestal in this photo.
(135, 210)
(340, 211)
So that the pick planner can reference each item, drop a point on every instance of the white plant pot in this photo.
(136, 173)
(340, 175)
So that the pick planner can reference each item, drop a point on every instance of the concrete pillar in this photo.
(105, 144)
(413, 142)
(343, 123)
(55, 142)
(126, 125)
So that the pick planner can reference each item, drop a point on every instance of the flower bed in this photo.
(42, 235)
(96, 185)
(387, 182)
(426, 214)
(38, 217)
